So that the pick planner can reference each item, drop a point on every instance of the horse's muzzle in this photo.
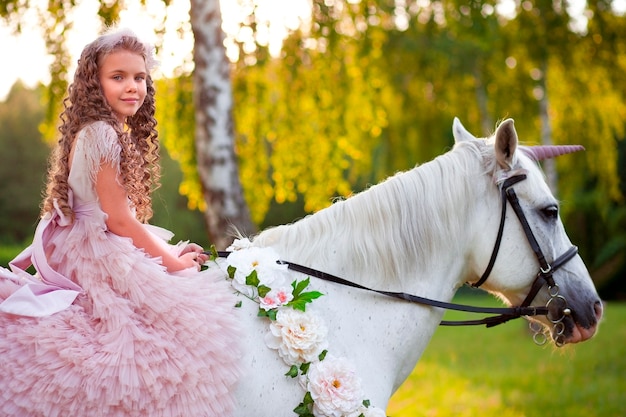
(577, 326)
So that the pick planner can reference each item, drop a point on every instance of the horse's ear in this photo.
(506, 143)
(459, 131)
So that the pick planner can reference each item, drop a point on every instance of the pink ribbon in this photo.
(47, 293)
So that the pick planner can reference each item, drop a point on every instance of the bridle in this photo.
(503, 314)
(545, 269)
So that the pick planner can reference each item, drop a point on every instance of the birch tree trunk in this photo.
(214, 133)
(486, 122)
(549, 165)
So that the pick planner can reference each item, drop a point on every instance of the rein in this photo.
(503, 314)
(508, 312)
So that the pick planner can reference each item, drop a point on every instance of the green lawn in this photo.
(500, 372)
(8, 252)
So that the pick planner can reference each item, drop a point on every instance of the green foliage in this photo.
(23, 171)
(499, 372)
(175, 115)
(171, 209)
(359, 99)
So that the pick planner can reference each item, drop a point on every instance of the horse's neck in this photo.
(405, 233)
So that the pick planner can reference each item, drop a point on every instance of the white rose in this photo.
(334, 387)
(299, 337)
(261, 260)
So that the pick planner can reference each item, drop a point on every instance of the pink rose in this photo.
(276, 298)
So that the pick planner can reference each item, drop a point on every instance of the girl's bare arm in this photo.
(122, 221)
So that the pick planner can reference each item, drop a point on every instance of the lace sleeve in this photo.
(98, 143)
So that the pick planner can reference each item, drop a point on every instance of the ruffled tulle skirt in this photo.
(137, 342)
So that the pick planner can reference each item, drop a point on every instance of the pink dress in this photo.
(103, 329)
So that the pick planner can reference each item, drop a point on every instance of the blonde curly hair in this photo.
(85, 103)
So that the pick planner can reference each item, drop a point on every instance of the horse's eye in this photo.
(550, 212)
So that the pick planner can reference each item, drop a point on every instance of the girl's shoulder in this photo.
(98, 131)
(99, 142)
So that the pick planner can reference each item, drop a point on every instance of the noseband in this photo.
(503, 314)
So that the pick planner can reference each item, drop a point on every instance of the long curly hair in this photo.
(85, 103)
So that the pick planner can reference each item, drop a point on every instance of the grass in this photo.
(8, 252)
(475, 371)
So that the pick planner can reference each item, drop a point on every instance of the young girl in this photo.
(116, 322)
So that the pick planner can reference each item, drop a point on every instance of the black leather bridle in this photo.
(545, 269)
(503, 314)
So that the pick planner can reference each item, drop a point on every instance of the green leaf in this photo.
(303, 410)
(212, 253)
(238, 304)
(300, 302)
(366, 403)
(293, 371)
(310, 296)
(270, 314)
(322, 355)
(298, 287)
(263, 290)
(305, 367)
(231, 271)
(253, 279)
(297, 305)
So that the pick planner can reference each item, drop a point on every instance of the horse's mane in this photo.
(414, 213)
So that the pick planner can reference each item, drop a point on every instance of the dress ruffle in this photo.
(137, 342)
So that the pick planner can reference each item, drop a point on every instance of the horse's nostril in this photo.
(597, 307)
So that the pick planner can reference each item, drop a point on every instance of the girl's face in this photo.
(123, 80)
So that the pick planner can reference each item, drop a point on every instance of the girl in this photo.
(116, 322)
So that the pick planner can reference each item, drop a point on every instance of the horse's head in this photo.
(522, 253)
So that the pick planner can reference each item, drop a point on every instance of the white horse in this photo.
(426, 232)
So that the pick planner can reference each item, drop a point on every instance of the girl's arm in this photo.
(122, 222)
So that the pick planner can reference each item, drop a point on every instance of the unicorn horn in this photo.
(541, 152)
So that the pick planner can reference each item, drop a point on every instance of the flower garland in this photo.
(332, 388)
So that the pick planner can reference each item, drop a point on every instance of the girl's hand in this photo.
(190, 260)
(197, 249)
